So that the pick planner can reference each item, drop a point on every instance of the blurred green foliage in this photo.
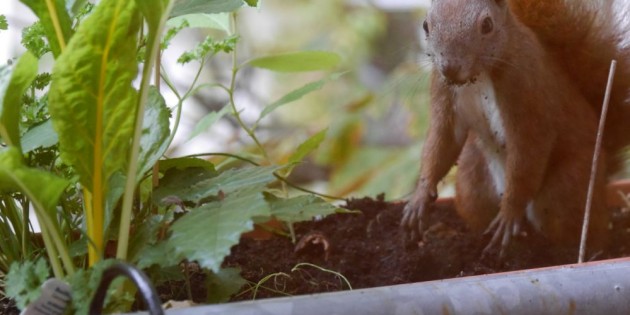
(376, 113)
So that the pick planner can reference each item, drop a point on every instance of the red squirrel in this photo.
(516, 91)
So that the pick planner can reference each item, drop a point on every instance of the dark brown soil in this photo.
(369, 250)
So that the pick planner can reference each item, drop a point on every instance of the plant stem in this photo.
(125, 217)
(594, 166)
(180, 102)
(278, 176)
(235, 69)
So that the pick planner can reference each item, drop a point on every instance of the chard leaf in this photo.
(207, 233)
(91, 99)
(55, 20)
(14, 80)
(302, 61)
(93, 104)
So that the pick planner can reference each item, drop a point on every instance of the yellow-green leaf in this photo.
(93, 104)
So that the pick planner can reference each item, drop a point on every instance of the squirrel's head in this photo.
(466, 37)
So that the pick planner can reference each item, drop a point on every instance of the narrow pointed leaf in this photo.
(297, 94)
(14, 80)
(56, 21)
(308, 146)
(208, 121)
(302, 61)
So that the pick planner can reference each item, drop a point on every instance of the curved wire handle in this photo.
(149, 295)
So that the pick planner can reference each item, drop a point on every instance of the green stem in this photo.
(276, 174)
(130, 183)
(180, 102)
(237, 115)
(25, 222)
(52, 255)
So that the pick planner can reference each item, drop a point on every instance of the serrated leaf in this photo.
(40, 136)
(302, 61)
(307, 147)
(223, 284)
(155, 132)
(24, 281)
(204, 6)
(297, 94)
(143, 250)
(300, 208)
(161, 254)
(218, 21)
(192, 186)
(92, 102)
(14, 80)
(55, 20)
(207, 233)
(208, 121)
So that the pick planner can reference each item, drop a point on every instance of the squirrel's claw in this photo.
(414, 218)
(504, 227)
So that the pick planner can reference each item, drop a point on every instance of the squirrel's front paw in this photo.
(414, 216)
(505, 226)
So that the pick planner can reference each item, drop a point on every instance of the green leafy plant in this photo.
(85, 149)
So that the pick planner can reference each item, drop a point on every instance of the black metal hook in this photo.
(147, 291)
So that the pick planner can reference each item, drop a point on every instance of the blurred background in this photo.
(375, 113)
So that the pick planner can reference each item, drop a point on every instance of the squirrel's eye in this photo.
(486, 26)
(425, 26)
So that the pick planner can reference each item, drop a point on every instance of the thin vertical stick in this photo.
(596, 154)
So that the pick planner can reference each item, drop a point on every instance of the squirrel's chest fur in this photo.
(477, 106)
